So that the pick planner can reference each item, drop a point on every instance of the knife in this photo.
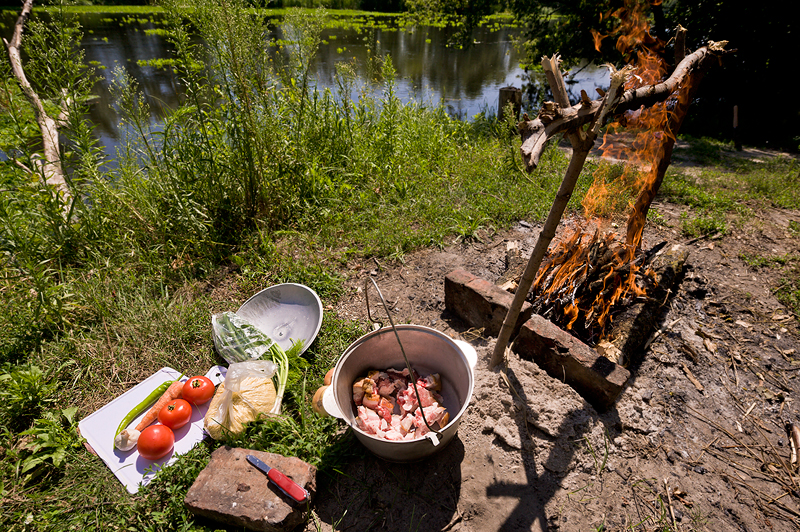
(288, 486)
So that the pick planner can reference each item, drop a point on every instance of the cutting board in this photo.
(130, 468)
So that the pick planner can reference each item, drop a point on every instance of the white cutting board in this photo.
(130, 468)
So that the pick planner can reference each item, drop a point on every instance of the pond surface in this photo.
(465, 80)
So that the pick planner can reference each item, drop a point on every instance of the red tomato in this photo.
(176, 414)
(155, 442)
(198, 390)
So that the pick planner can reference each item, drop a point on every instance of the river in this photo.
(465, 80)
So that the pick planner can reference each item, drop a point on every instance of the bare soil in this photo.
(532, 454)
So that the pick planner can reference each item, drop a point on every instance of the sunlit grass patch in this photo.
(787, 288)
(695, 225)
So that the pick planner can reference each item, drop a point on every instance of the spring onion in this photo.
(240, 340)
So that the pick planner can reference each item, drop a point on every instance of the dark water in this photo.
(466, 81)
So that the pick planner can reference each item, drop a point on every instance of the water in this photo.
(466, 81)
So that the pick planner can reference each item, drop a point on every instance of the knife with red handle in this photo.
(288, 486)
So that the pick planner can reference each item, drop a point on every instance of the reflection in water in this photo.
(466, 81)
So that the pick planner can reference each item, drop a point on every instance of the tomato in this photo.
(155, 442)
(198, 390)
(176, 414)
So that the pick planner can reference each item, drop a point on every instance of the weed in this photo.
(466, 230)
(598, 466)
(24, 392)
(707, 223)
(53, 439)
(787, 287)
(657, 218)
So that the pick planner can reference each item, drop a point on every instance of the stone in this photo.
(232, 491)
(567, 359)
(480, 303)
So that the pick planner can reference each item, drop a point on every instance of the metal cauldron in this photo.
(428, 351)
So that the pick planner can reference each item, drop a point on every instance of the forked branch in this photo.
(555, 118)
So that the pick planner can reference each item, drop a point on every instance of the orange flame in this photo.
(645, 131)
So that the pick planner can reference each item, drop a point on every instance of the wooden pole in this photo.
(581, 144)
(511, 95)
(737, 142)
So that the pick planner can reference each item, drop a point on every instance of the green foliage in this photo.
(705, 223)
(24, 392)
(53, 439)
(787, 288)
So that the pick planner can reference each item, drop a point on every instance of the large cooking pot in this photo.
(428, 351)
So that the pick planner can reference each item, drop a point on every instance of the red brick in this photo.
(567, 359)
(232, 491)
(478, 302)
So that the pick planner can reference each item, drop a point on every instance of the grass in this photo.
(787, 288)
(256, 179)
(727, 190)
(726, 180)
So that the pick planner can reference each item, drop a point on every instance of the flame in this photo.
(645, 132)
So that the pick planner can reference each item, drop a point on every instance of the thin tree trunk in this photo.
(638, 215)
(50, 165)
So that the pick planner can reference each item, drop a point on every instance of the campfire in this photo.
(590, 276)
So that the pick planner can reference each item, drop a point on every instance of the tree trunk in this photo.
(49, 166)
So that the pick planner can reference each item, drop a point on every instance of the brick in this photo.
(567, 359)
(479, 303)
(230, 490)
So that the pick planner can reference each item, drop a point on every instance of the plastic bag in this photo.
(238, 340)
(246, 394)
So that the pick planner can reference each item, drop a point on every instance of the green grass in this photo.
(727, 188)
(727, 179)
(787, 288)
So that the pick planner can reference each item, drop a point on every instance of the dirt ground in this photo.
(536, 456)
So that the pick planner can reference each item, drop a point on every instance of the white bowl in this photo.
(286, 313)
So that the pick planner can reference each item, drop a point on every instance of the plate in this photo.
(130, 468)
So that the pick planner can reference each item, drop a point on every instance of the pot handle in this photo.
(469, 352)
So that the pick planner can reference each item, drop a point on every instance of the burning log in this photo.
(579, 284)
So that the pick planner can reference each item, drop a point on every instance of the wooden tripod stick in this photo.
(581, 144)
